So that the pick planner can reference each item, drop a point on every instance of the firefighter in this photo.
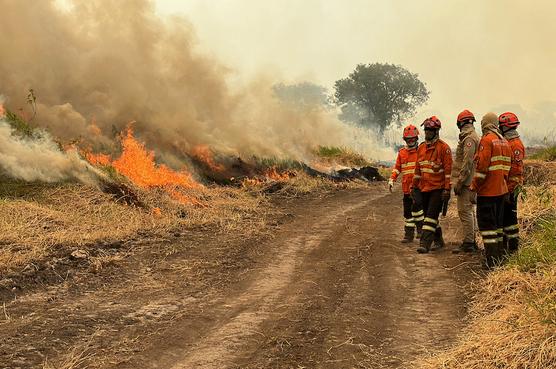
(464, 169)
(508, 122)
(492, 166)
(405, 165)
(432, 177)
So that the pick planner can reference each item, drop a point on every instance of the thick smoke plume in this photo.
(40, 159)
(103, 63)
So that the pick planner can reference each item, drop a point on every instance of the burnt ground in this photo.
(327, 286)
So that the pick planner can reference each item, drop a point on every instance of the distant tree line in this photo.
(373, 95)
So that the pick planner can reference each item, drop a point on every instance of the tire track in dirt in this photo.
(363, 300)
(218, 349)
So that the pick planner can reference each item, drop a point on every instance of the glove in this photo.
(390, 184)
(458, 187)
(446, 195)
(473, 198)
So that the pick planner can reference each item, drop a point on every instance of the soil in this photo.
(327, 285)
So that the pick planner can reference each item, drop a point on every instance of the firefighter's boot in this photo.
(419, 228)
(438, 240)
(409, 234)
(504, 247)
(513, 245)
(427, 238)
(493, 254)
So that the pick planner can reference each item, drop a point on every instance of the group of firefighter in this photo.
(487, 174)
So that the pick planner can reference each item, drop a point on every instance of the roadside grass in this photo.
(341, 155)
(39, 221)
(547, 153)
(513, 316)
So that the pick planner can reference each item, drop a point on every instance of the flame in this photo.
(270, 175)
(275, 175)
(205, 155)
(137, 164)
(2, 111)
(98, 159)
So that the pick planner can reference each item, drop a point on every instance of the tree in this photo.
(304, 95)
(379, 95)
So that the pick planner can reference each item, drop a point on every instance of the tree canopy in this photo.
(377, 95)
(303, 95)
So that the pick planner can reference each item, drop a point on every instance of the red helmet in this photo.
(410, 132)
(432, 122)
(465, 115)
(508, 119)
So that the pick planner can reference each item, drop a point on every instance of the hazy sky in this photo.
(474, 54)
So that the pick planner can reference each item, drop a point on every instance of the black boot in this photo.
(425, 242)
(419, 226)
(513, 245)
(409, 233)
(493, 254)
(504, 251)
(468, 247)
(438, 240)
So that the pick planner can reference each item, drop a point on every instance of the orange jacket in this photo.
(433, 167)
(493, 161)
(515, 177)
(405, 164)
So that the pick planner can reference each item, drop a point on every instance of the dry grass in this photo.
(72, 216)
(513, 317)
(513, 326)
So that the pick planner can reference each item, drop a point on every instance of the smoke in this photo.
(40, 159)
(104, 63)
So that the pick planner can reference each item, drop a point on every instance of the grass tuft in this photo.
(341, 155)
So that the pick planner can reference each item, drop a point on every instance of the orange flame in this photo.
(204, 154)
(138, 165)
(275, 175)
(97, 159)
(2, 111)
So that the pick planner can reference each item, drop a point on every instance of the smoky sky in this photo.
(473, 54)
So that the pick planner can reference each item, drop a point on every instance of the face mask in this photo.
(430, 134)
(412, 142)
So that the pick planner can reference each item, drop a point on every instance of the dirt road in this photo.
(328, 286)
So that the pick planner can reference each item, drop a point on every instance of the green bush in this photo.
(540, 248)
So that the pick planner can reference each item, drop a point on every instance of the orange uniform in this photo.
(493, 161)
(433, 166)
(405, 165)
(515, 177)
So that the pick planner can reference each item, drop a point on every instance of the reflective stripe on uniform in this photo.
(511, 228)
(514, 235)
(501, 158)
(410, 225)
(498, 167)
(429, 228)
(431, 220)
(407, 171)
(489, 233)
(417, 213)
(408, 164)
(395, 171)
(428, 170)
(425, 162)
(480, 175)
(490, 240)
